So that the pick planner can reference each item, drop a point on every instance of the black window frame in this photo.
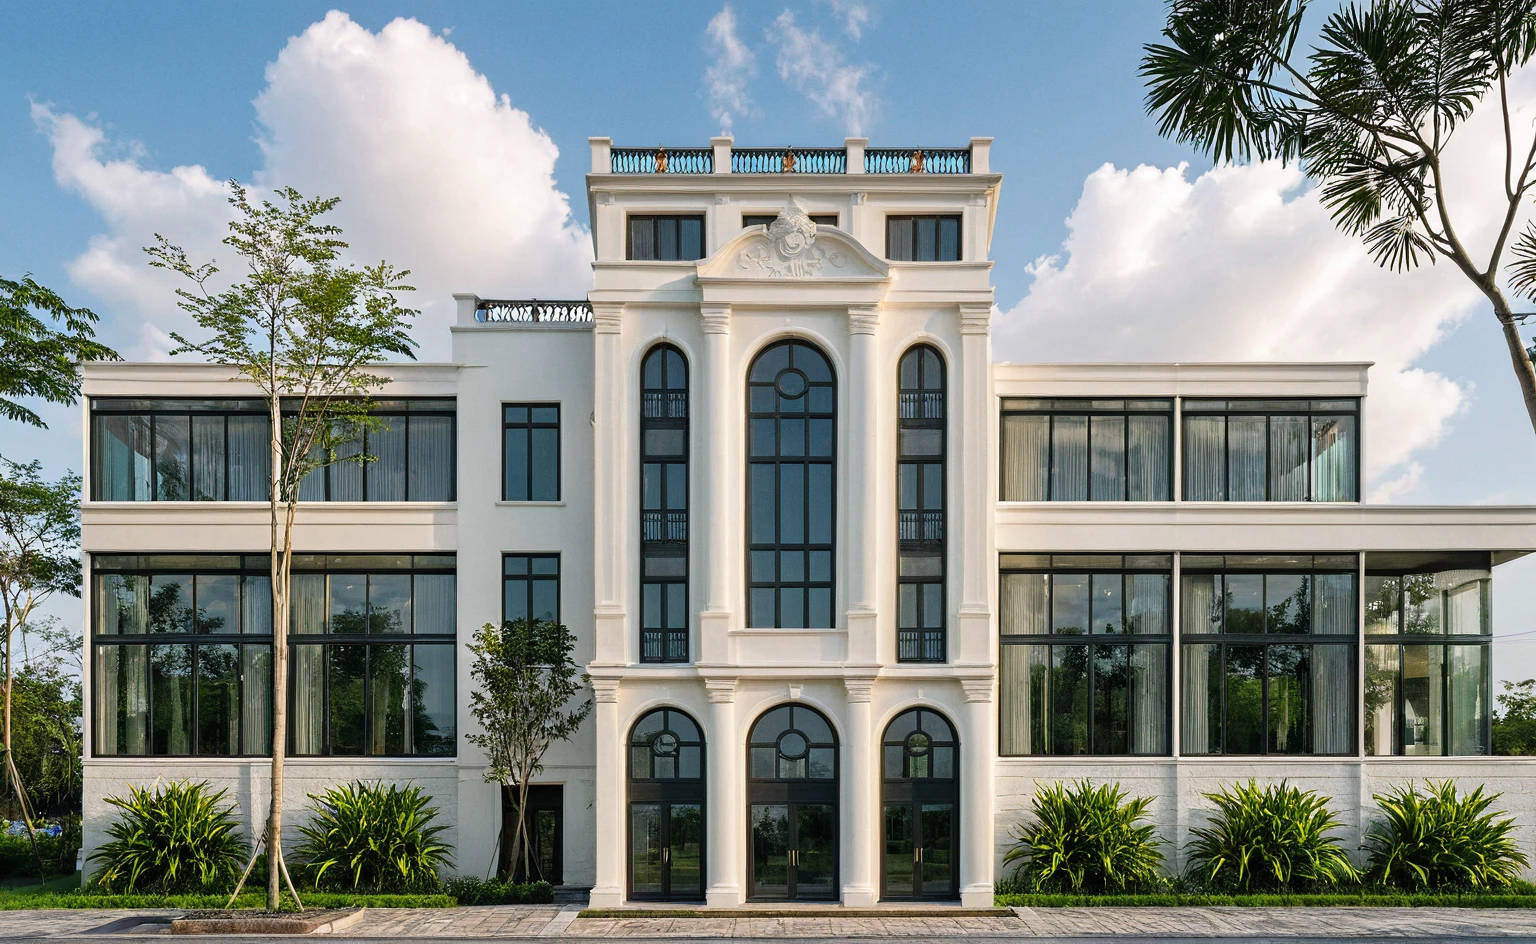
(939, 220)
(1056, 407)
(528, 577)
(664, 530)
(1269, 408)
(922, 532)
(916, 791)
(749, 220)
(654, 220)
(648, 789)
(1127, 566)
(530, 425)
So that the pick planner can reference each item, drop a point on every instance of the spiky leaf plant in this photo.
(176, 837)
(368, 837)
(1442, 839)
(1271, 838)
(1086, 838)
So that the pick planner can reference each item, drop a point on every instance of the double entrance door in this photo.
(794, 851)
(920, 844)
(666, 849)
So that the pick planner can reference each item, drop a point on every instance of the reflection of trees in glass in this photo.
(1421, 613)
(1289, 702)
(1069, 715)
(1514, 721)
(168, 613)
(428, 737)
(1245, 700)
(347, 669)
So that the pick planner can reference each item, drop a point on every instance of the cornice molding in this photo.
(720, 691)
(863, 319)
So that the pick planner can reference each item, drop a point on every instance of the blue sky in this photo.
(101, 103)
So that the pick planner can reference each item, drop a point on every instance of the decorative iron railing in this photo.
(789, 160)
(664, 404)
(663, 527)
(533, 311)
(921, 405)
(663, 160)
(920, 526)
(917, 160)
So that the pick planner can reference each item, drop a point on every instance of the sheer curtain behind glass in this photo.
(307, 608)
(1334, 614)
(1026, 454)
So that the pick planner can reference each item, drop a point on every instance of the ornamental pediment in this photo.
(793, 247)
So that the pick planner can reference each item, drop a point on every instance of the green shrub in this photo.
(1442, 839)
(178, 838)
(58, 852)
(369, 837)
(1274, 838)
(474, 891)
(1086, 838)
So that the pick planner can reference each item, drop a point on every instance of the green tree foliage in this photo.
(303, 327)
(36, 360)
(525, 682)
(179, 837)
(1368, 112)
(1514, 720)
(46, 706)
(1442, 839)
(1273, 838)
(366, 837)
(1086, 838)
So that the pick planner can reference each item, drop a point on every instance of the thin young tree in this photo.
(525, 682)
(304, 328)
(39, 556)
(1368, 112)
(36, 360)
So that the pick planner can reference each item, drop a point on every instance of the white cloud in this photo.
(856, 16)
(733, 68)
(818, 70)
(436, 173)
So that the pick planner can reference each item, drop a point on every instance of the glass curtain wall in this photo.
(1085, 654)
(921, 489)
(664, 506)
(1271, 450)
(1268, 658)
(1087, 450)
(1427, 655)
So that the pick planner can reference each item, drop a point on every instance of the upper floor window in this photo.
(664, 506)
(791, 487)
(920, 473)
(530, 441)
(220, 450)
(922, 238)
(763, 219)
(530, 586)
(1087, 450)
(666, 238)
(1271, 450)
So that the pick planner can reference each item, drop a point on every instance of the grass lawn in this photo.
(1522, 895)
(66, 893)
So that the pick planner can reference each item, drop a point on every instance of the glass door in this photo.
(794, 851)
(935, 851)
(919, 753)
(770, 850)
(666, 850)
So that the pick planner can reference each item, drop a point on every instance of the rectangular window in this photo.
(1268, 658)
(1271, 450)
(749, 220)
(666, 238)
(1085, 654)
(1428, 654)
(1087, 450)
(530, 440)
(922, 238)
(530, 586)
(182, 649)
(220, 450)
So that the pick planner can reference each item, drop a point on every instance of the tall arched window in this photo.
(792, 804)
(920, 606)
(922, 798)
(791, 481)
(664, 506)
(666, 807)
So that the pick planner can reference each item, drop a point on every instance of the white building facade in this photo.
(846, 590)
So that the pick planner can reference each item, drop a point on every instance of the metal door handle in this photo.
(666, 855)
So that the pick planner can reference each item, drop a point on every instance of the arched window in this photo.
(666, 807)
(664, 506)
(791, 476)
(920, 605)
(792, 805)
(921, 798)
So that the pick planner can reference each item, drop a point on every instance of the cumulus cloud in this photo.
(855, 15)
(733, 67)
(818, 70)
(436, 173)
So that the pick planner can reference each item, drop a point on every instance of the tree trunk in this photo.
(274, 837)
(1525, 371)
(504, 846)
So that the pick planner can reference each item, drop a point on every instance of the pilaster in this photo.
(861, 806)
(863, 488)
(726, 814)
(978, 759)
(972, 489)
(608, 797)
(714, 467)
(610, 535)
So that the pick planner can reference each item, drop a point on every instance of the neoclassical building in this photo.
(847, 591)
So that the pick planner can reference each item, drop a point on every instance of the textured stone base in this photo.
(235, 922)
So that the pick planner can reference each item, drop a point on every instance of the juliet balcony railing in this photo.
(723, 157)
(920, 527)
(663, 527)
(533, 311)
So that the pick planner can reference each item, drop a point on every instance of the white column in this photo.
(861, 800)
(713, 470)
(862, 462)
(978, 741)
(974, 490)
(725, 865)
(608, 798)
(609, 512)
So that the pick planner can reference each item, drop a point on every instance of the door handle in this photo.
(666, 855)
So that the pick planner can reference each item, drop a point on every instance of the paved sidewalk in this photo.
(552, 923)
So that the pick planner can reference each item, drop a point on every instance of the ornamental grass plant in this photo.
(368, 837)
(1272, 838)
(1442, 839)
(1086, 838)
(171, 838)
